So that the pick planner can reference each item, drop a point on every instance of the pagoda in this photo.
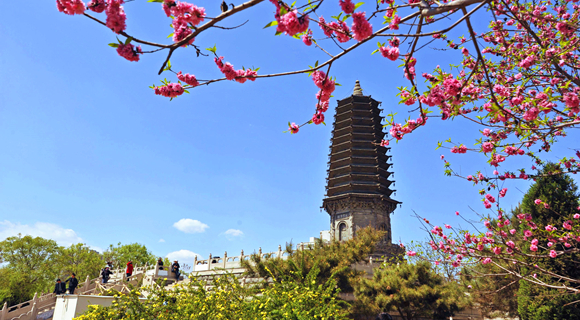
(358, 191)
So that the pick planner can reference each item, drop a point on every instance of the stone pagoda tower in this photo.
(358, 192)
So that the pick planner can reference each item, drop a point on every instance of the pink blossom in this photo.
(97, 6)
(447, 226)
(513, 231)
(71, 7)
(572, 102)
(496, 250)
(347, 6)
(188, 78)
(535, 242)
(487, 224)
(361, 28)
(568, 225)
(294, 128)
(502, 192)
(128, 52)
(538, 201)
(465, 51)
(490, 198)
(577, 216)
(550, 244)
(318, 117)
(553, 253)
(486, 204)
(291, 24)
(486, 261)
(116, 16)
(171, 90)
(391, 53)
(384, 143)
(531, 114)
(411, 253)
(487, 147)
(307, 38)
(528, 233)
(533, 247)
(511, 244)
(394, 25)
(456, 213)
(322, 23)
(181, 30)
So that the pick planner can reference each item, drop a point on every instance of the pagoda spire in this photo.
(357, 89)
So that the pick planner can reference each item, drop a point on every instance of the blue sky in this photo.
(90, 154)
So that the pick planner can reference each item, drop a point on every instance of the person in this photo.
(110, 265)
(73, 282)
(160, 263)
(384, 316)
(106, 274)
(175, 269)
(129, 270)
(59, 287)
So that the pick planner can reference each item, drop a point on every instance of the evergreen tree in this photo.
(561, 193)
(413, 290)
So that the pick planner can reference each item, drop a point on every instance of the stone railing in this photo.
(233, 262)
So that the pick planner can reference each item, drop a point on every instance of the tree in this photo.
(81, 260)
(32, 265)
(121, 254)
(492, 290)
(516, 79)
(561, 194)
(413, 290)
(334, 260)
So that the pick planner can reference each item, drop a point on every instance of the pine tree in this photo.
(561, 193)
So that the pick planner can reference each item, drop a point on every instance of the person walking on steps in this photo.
(175, 269)
(59, 287)
(129, 270)
(160, 263)
(73, 282)
(106, 274)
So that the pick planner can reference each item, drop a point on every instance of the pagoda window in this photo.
(342, 231)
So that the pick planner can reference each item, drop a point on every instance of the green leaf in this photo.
(184, 90)
(338, 84)
(358, 5)
(128, 40)
(170, 35)
(292, 5)
(273, 23)
(168, 64)
(114, 45)
(278, 33)
(316, 64)
(283, 11)
(212, 49)
(374, 52)
(161, 1)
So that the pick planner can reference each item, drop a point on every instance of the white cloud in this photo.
(64, 237)
(185, 258)
(98, 249)
(161, 240)
(232, 233)
(190, 226)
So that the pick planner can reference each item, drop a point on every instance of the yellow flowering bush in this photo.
(224, 297)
